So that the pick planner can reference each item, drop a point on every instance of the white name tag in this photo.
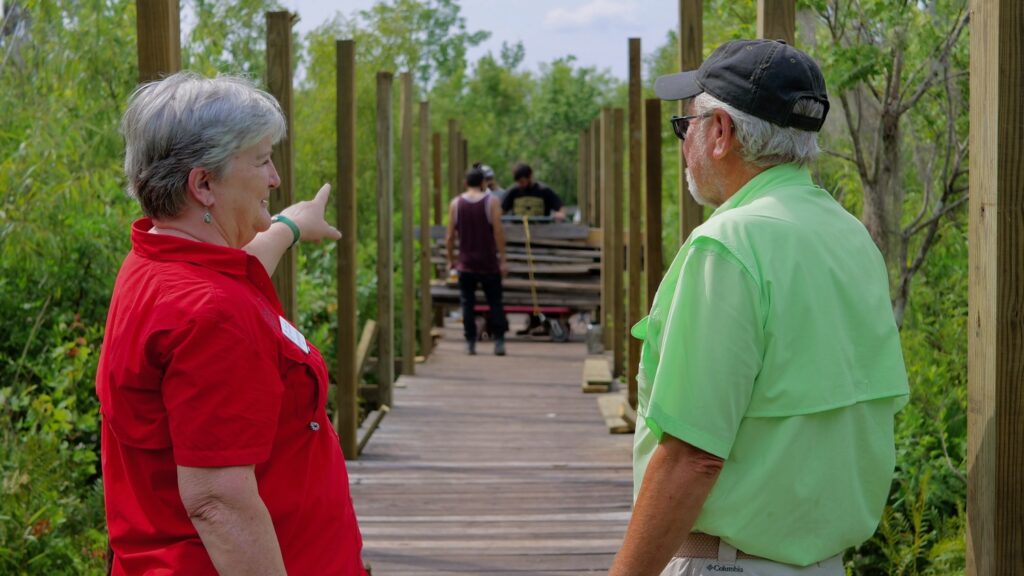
(291, 333)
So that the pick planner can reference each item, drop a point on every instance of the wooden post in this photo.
(595, 172)
(465, 157)
(454, 145)
(776, 20)
(279, 83)
(385, 256)
(158, 38)
(618, 247)
(995, 357)
(436, 175)
(346, 409)
(607, 251)
(582, 173)
(636, 154)
(653, 258)
(408, 275)
(426, 270)
(691, 42)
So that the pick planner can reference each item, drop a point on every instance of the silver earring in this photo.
(207, 218)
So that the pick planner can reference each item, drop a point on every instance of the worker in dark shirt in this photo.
(529, 198)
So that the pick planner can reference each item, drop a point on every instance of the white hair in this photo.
(187, 121)
(765, 144)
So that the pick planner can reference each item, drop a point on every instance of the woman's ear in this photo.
(199, 186)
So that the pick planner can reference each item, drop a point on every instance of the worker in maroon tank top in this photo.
(474, 218)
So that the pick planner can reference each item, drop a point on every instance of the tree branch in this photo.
(933, 73)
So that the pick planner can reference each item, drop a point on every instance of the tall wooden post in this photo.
(636, 154)
(346, 409)
(691, 43)
(385, 253)
(618, 246)
(279, 82)
(408, 275)
(607, 250)
(595, 172)
(438, 207)
(454, 146)
(995, 358)
(653, 257)
(582, 172)
(158, 38)
(776, 20)
(426, 305)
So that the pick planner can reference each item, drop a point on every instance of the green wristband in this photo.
(296, 234)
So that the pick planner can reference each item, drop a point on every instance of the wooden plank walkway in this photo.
(490, 465)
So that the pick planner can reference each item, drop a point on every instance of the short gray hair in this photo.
(765, 144)
(188, 121)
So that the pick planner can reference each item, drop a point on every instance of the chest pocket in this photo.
(304, 376)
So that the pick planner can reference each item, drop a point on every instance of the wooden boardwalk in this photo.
(490, 465)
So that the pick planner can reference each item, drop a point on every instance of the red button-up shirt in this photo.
(198, 368)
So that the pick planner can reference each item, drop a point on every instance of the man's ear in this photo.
(199, 180)
(724, 132)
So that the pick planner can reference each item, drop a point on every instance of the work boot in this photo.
(471, 347)
(499, 347)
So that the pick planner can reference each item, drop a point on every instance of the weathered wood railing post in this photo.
(346, 419)
(158, 38)
(385, 256)
(691, 43)
(618, 247)
(776, 20)
(582, 172)
(454, 145)
(426, 270)
(408, 274)
(636, 143)
(595, 172)
(607, 251)
(436, 174)
(995, 357)
(279, 83)
(653, 259)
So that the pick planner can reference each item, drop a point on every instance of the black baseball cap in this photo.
(764, 78)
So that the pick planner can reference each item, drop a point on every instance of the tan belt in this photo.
(700, 545)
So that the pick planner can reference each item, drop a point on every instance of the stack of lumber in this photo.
(566, 267)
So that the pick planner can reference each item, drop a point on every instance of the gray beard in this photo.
(697, 197)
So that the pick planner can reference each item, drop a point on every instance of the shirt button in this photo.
(314, 426)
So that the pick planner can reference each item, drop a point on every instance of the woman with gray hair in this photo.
(218, 456)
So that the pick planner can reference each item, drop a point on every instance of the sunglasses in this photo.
(680, 124)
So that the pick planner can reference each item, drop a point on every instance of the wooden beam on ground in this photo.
(611, 408)
(346, 373)
(436, 174)
(776, 20)
(607, 253)
(596, 375)
(653, 257)
(385, 250)
(691, 46)
(279, 84)
(366, 340)
(636, 154)
(618, 245)
(995, 360)
(158, 38)
(405, 184)
(374, 422)
(426, 269)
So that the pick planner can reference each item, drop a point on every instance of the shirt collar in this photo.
(782, 175)
(164, 248)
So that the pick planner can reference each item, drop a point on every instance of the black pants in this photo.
(496, 324)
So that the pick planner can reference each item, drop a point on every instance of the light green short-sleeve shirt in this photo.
(771, 343)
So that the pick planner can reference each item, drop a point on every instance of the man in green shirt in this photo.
(771, 368)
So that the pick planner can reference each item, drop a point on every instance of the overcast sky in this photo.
(596, 32)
